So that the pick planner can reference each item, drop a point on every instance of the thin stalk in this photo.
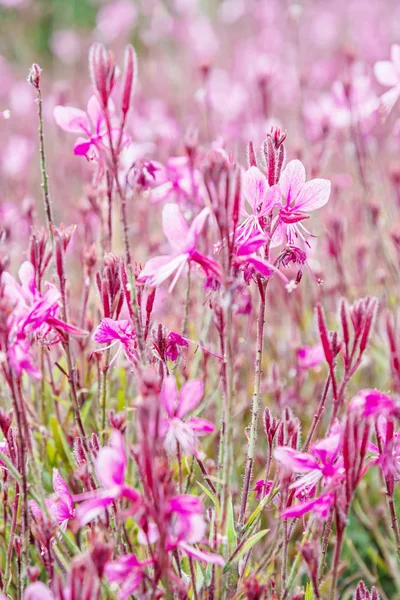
(256, 403)
(187, 303)
(45, 181)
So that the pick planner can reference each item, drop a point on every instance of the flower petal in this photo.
(314, 194)
(61, 490)
(385, 73)
(206, 557)
(71, 119)
(169, 395)
(201, 426)
(292, 180)
(255, 186)
(299, 462)
(174, 226)
(190, 396)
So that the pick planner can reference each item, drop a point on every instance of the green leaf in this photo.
(248, 545)
(61, 443)
(309, 592)
(212, 497)
(230, 526)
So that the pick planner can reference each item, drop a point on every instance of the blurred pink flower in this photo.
(310, 357)
(128, 572)
(66, 45)
(177, 406)
(320, 507)
(111, 464)
(16, 156)
(38, 591)
(183, 241)
(372, 403)
(185, 526)
(116, 19)
(387, 73)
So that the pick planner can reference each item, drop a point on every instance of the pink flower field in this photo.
(199, 300)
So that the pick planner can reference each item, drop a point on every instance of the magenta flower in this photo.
(183, 240)
(117, 333)
(372, 403)
(387, 73)
(33, 313)
(110, 466)
(90, 124)
(247, 257)
(299, 199)
(262, 489)
(320, 507)
(310, 357)
(128, 572)
(185, 526)
(323, 462)
(261, 198)
(60, 505)
(177, 406)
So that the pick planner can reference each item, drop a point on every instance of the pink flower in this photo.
(60, 505)
(117, 333)
(323, 462)
(178, 179)
(91, 124)
(246, 257)
(185, 527)
(299, 198)
(177, 406)
(33, 313)
(111, 464)
(261, 198)
(128, 572)
(372, 403)
(260, 487)
(183, 240)
(320, 507)
(310, 357)
(116, 19)
(387, 73)
(37, 591)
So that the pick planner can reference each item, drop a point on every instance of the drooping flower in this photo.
(387, 73)
(183, 240)
(110, 466)
(177, 406)
(320, 507)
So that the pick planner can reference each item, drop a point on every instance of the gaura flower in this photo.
(60, 505)
(387, 73)
(110, 467)
(117, 333)
(183, 240)
(177, 406)
(128, 572)
(299, 199)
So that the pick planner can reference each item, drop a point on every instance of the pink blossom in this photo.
(116, 19)
(111, 464)
(323, 462)
(60, 505)
(387, 73)
(261, 489)
(246, 256)
(177, 406)
(320, 507)
(261, 198)
(179, 179)
(66, 45)
(128, 572)
(372, 403)
(299, 198)
(185, 526)
(183, 240)
(117, 333)
(310, 357)
(91, 124)
(37, 591)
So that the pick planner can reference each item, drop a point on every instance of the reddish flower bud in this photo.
(129, 79)
(324, 334)
(34, 76)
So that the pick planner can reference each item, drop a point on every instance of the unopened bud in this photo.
(34, 76)
(130, 78)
